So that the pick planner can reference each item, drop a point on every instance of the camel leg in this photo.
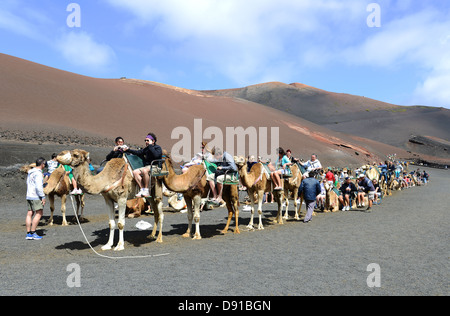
(197, 202)
(190, 215)
(260, 200)
(252, 203)
(63, 209)
(279, 200)
(299, 211)
(230, 215)
(82, 206)
(286, 200)
(159, 218)
(51, 199)
(112, 224)
(122, 203)
(296, 205)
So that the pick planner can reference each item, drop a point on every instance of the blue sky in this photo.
(219, 44)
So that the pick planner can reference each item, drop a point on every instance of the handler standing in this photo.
(310, 187)
(35, 199)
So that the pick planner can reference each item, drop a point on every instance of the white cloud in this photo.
(239, 39)
(80, 49)
(421, 42)
(14, 23)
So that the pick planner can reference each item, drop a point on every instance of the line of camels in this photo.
(117, 185)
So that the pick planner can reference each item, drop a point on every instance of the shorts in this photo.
(220, 179)
(35, 205)
(155, 169)
(372, 195)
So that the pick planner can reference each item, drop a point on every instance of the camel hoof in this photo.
(186, 235)
(197, 237)
(119, 248)
(106, 247)
(223, 232)
(237, 231)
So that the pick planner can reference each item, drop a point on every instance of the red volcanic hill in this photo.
(39, 98)
(383, 122)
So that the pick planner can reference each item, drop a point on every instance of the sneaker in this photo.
(141, 192)
(79, 192)
(74, 192)
(145, 193)
(36, 237)
(29, 236)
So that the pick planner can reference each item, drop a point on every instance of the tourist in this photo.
(367, 187)
(117, 151)
(148, 154)
(51, 166)
(347, 189)
(310, 188)
(311, 165)
(281, 168)
(226, 168)
(35, 199)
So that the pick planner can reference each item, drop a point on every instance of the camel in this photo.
(58, 184)
(372, 172)
(292, 185)
(331, 200)
(194, 186)
(257, 184)
(116, 183)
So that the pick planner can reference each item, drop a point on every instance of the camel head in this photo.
(27, 168)
(240, 161)
(73, 158)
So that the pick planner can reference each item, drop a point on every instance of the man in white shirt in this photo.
(311, 165)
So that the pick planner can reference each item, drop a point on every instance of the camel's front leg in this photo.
(252, 203)
(297, 205)
(286, 200)
(190, 215)
(112, 224)
(51, 199)
(260, 201)
(122, 203)
(279, 199)
(159, 218)
(63, 210)
(197, 202)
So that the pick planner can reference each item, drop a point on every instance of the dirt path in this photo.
(407, 237)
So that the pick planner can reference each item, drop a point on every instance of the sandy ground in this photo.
(407, 236)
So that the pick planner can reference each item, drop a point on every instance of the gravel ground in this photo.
(407, 236)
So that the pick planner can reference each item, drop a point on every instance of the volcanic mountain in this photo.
(37, 99)
(357, 115)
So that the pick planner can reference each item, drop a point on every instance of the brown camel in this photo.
(58, 184)
(257, 184)
(116, 183)
(292, 185)
(194, 187)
